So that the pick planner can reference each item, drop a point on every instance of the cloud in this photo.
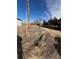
(54, 7)
(47, 14)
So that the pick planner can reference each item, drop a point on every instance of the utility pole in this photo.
(28, 14)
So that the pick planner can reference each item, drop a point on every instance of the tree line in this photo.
(53, 23)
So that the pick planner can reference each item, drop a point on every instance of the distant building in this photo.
(19, 22)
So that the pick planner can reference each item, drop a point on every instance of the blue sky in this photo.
(39, 9)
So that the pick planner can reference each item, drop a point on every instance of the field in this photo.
(38, 43)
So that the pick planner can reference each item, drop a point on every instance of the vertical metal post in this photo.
(28, 14)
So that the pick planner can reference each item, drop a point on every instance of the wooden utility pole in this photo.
(28, 14)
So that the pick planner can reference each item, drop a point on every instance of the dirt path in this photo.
(54, 33)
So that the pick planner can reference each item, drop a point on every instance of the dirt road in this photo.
(53, 32)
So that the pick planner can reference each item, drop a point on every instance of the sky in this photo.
(39, 9)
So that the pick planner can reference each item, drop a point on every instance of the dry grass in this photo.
(38, 43)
